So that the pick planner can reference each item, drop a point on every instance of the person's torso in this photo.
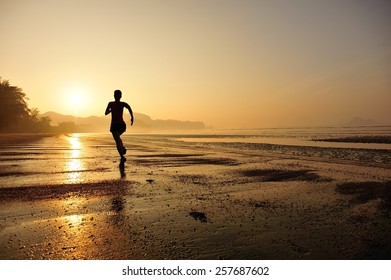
(117, 109)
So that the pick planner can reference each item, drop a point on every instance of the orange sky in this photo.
(230, 64)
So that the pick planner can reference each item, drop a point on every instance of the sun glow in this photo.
(77, 98)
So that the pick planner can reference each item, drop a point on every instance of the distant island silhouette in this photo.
(358, 121)
(69, 123)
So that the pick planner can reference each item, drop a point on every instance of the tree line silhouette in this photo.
(16, 116)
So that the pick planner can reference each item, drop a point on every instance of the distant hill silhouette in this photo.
(357, 121)
(101, 124)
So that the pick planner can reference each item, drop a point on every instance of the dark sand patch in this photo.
(27, 159)
(168, 155)
(373, 139)
(18, 174)
(25, 173)
(30, 193)
(200, 216)
(21, 153)
(185, 161)
(278, 175)
(364, 192)
(369, 211)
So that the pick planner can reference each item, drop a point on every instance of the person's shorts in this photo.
(118, 127)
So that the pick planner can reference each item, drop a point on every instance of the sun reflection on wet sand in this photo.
(74, 204)
(74, 220)
(74, 165)
(74, 141)
(83, 234)
(75, 230)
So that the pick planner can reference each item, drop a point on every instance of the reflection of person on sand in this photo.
(118, 125)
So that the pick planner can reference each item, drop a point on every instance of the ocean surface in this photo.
(356, 144)
(306, 136)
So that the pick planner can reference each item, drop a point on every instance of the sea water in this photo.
(316, 143)
(302, 136)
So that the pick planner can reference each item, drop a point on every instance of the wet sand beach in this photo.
(64, 197)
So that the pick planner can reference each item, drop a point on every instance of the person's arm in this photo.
(130, 112)
(108, 109)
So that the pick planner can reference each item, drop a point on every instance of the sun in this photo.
(76, 98)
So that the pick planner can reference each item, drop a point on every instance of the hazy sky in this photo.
(230, 64)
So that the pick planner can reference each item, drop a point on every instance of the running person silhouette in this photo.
(118, 126)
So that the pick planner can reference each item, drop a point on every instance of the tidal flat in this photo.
(188, 197)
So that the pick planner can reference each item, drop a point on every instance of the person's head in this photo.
(117, 94)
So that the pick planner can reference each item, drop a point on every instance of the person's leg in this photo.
(118, 142)
(123, 147)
